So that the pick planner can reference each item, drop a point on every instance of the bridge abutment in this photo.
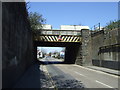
(86, 47)
(79, 56)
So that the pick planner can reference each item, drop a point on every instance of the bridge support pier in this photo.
(86, 47)
(79, 56)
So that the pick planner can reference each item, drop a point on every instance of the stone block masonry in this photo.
(17, 45)
(106, 48)
(86, 47)
(101, 48)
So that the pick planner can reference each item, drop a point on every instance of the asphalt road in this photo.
(62, 79)
(86, 77)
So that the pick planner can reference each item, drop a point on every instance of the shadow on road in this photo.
(50, 62)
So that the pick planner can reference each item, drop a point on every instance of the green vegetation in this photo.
(113, 24)
(36, 21)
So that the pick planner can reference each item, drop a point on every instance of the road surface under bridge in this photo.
(71, 51)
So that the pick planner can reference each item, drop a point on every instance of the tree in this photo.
(113, 24)
(36, 21)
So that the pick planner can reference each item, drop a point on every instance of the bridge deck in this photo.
(59, 36)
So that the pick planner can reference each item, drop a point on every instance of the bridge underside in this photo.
(71, 51)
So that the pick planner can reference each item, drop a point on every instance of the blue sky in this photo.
(75, 13)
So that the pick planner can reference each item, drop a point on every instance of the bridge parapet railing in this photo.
(60, 32)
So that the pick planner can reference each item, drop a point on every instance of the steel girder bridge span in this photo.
(70, 39)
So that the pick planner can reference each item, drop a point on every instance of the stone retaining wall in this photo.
(17, 45)
(105, 48)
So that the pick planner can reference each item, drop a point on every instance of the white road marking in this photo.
(98, 71)
(80, 74)
(95, 80)
(103, 84)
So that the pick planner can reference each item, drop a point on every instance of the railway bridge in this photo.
(70, 39)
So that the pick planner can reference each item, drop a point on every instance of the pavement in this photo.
(106, 70)
(45, 79)
(35, 77)
(30, 79)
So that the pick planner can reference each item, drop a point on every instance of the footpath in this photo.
(106, 70)
(30, 79)
(35, 77)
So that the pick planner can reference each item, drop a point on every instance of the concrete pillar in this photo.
(86, 47)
